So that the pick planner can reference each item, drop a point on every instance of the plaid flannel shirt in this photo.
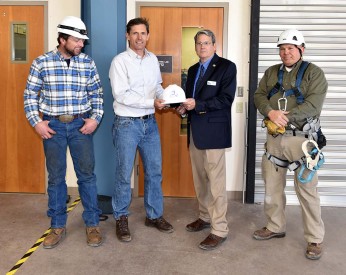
(54, 88)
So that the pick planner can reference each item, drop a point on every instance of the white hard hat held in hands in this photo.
(173, 94)
(291, 36)
(73, 26)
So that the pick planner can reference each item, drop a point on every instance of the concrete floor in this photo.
(23, 221)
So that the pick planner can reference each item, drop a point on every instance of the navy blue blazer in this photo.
(211, 120)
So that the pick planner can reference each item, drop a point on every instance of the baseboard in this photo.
(235, 195)
(231, 195)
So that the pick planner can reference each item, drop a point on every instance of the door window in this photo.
(19, 42)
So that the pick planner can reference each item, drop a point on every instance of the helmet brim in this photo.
(174, 101)
(73, 33)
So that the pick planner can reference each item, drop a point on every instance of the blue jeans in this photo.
(82, 153)
(130, 134)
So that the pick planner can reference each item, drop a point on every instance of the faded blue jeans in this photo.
(130, 134)
(82, 153)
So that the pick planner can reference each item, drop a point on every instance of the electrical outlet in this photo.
(239, 107)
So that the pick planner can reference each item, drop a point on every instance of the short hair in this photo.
(62, 35)
(207, 33)
(137, 21)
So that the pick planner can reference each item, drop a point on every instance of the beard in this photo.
(73, 52)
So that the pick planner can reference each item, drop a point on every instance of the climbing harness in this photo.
(312, 160)
(294, 91)
(312, 127)
(272, 128)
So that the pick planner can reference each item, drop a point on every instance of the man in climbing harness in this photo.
(290, 97)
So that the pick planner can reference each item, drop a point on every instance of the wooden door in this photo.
(166, 25)
(21, 151)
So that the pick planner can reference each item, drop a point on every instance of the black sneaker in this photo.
(122, 229)
(160, 223)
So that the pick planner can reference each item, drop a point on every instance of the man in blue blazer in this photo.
(210, 90)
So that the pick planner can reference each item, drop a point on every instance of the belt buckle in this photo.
(66, 118)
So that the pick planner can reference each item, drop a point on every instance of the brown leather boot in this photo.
(54, 238)
(122, 229)
(94, 236)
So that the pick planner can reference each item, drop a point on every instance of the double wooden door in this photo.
(166, 28)
(21, 153)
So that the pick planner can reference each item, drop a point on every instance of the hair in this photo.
(62, 35)
(207, 33)
(137, 21)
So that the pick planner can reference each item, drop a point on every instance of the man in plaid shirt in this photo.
(64, 86)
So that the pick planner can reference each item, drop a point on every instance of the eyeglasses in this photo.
(206, 43)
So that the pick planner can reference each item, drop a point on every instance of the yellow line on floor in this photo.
(26, 256)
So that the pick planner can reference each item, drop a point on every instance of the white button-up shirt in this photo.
(135, 82)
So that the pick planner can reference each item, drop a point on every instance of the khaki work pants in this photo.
(209, 177)
(290, 148)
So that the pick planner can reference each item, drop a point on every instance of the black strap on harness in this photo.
(294, 91)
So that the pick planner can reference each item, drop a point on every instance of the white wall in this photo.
(237, 51)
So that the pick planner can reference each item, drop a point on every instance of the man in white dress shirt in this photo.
(136, 86)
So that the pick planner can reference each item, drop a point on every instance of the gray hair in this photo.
(207, 33)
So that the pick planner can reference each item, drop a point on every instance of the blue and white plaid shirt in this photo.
(53, 88)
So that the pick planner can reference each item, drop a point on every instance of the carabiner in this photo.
(284, 99)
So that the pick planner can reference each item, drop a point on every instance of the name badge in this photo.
(212, 83)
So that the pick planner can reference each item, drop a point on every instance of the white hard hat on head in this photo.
(291, 36)
(73, 26)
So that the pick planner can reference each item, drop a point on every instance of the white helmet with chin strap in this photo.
(291, 36)
(73, 26)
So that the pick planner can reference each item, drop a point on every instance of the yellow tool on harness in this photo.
(272, 128)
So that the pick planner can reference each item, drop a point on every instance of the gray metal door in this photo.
(323, 24)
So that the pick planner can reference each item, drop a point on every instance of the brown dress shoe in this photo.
(160, 223)
(197, 225)
(266, 234)
(55, 237)
(211, 242)
(94, 236)
(122, 229)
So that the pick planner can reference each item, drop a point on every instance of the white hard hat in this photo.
(291, 36)
(73, 26)
(173, 94)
